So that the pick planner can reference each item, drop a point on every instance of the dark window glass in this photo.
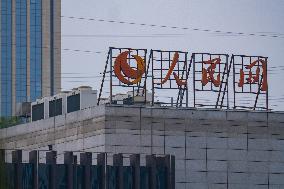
(38, 112)
(55, 107)
(73, 103)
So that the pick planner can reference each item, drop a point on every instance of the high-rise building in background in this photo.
(30, 51)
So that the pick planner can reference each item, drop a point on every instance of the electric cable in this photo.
(261, 34)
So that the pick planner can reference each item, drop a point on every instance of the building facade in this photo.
(213, 148)
(30, 51)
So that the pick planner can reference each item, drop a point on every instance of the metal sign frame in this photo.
(170, 70)
(114, 81)
(251, 82)
(211, 65)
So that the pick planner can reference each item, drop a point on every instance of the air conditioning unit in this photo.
(81, 98)
(39, 109)
(23, 109)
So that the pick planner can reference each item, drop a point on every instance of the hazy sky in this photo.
(244, 16)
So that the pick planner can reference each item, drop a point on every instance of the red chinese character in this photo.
(178, 80)
(255, 78)
(208, 74)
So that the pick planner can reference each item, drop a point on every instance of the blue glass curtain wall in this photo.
(21, 51)
(36, 48)
(6, 57)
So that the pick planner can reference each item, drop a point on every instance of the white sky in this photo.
(246, 16)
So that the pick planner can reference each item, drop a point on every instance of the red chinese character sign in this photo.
(124, 72)
(250, 82)
(127, 69)
(170, 72)
(210, 75)
(167, 74)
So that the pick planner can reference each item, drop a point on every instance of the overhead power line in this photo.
(260, 34)
(120, 36)
(80, 50)
(63, 49)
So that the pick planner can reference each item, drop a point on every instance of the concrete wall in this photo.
(46, 57)
(76, 131)
(213, 149)
(47, 60)
(57, 46)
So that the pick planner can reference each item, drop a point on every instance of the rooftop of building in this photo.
(150, 111)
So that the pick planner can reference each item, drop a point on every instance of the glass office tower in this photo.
(29, 52)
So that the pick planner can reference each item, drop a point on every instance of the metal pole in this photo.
(228, 74)
(234, 80)
(145, 83)
(258, 93)
(267, 105)
(103, 80)
(110, 73)
(187, 68)
(153, 88)
(193, 56)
